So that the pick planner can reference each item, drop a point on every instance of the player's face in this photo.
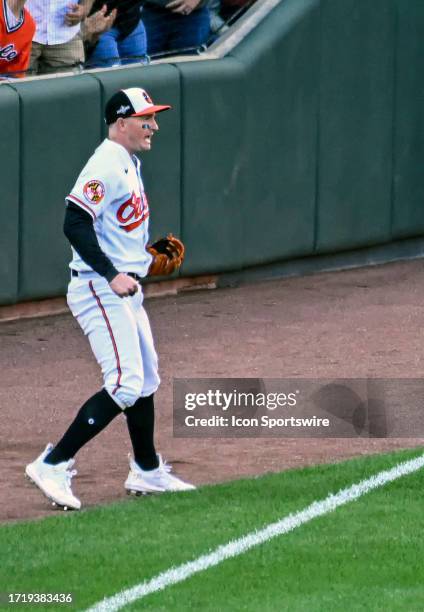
(140, 131)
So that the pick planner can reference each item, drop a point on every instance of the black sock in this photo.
(95, 414)
(141, 425)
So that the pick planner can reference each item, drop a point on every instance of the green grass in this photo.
(367, 555)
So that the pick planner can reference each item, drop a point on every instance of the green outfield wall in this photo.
(306, 139)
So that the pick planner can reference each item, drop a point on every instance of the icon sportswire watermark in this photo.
(330, 408)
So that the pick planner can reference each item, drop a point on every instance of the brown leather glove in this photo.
(168, 255)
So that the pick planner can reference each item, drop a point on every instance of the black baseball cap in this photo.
(132, 102)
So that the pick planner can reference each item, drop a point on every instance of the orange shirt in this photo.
(15, 41)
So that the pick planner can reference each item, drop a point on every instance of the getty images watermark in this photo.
(328, 408)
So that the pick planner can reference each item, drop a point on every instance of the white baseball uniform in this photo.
(110, 189)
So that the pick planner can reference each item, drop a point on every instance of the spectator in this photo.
(57, 44)
(178, 25)
(218, 25)
(94, 26)
(17, 28)
(125, 42)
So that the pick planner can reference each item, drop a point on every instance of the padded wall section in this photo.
(60, 129)
(9, 194)
(308, 138)
(215, 164)
(408, 209)
(355, 129)
(281, 84)
(161, 165)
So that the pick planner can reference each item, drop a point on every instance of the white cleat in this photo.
(141, 482)
(54, 480)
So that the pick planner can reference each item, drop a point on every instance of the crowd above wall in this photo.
(43, 38)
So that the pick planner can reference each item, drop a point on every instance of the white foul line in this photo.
(237, 547)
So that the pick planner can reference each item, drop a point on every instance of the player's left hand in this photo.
(76, 13)
(184, 7)
(168, 255)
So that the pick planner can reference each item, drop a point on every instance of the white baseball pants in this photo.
(120, 337)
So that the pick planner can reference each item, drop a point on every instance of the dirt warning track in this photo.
(361, 323)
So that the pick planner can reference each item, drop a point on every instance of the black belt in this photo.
(132, 274)
(135, 276)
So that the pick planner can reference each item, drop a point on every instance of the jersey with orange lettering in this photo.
(110, 189)
(16, 36)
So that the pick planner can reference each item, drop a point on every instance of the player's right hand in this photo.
(123, 285)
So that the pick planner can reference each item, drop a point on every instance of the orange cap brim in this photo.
(156, 108)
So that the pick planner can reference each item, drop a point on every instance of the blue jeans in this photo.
(111, 50)
(167, 31)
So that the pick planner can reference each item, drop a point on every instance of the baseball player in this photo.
(17, 29)
(106, 222)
